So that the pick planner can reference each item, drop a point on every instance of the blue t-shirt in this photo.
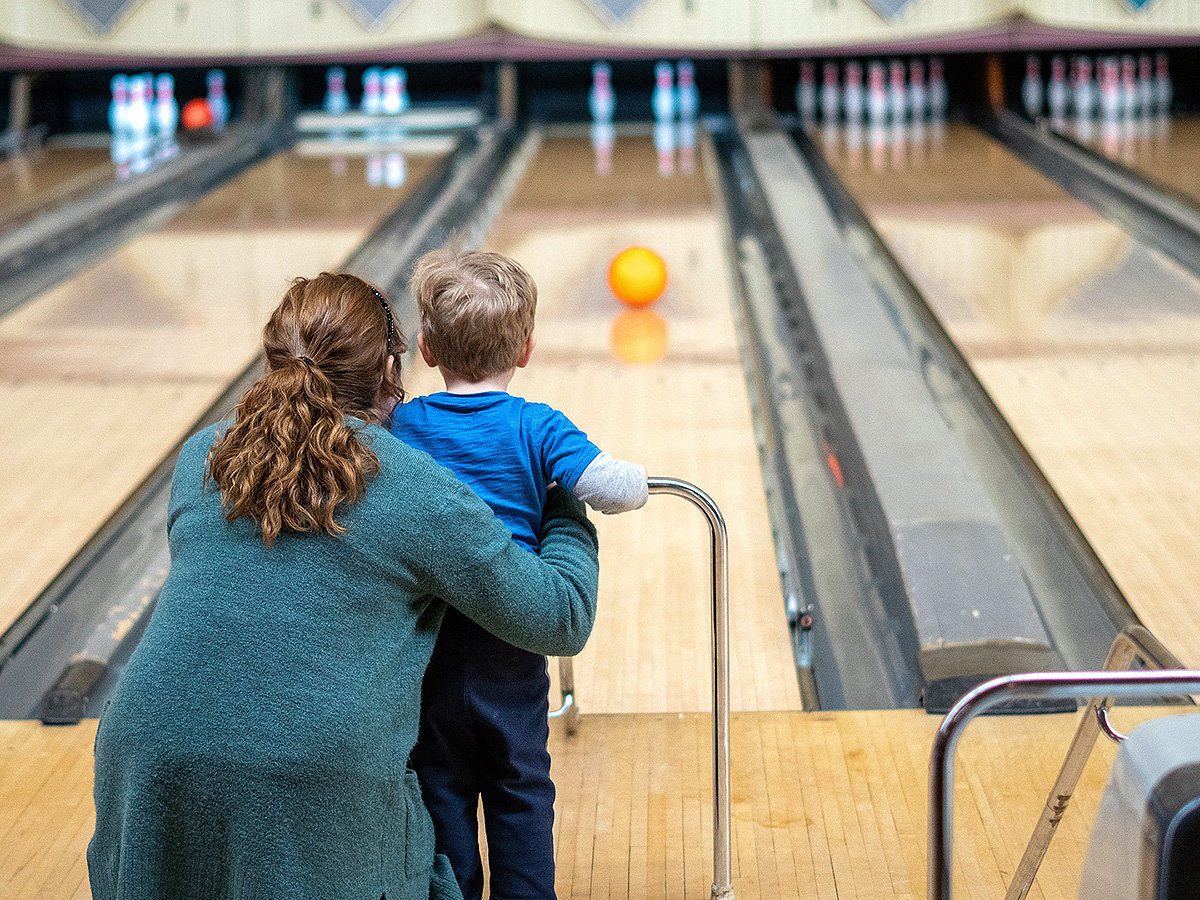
(504, 448)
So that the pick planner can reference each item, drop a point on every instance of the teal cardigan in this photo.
(257, 744)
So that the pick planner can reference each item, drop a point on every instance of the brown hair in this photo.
(477, 310)
(290, 460)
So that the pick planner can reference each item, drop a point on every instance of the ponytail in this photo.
(289, 460)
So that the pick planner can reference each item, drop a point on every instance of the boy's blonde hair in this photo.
(477, 310)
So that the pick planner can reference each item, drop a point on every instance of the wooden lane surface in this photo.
(825, 805)
(1165, 150)
(686, 415)
(1090, 345)
(103, 374)
(46, 176)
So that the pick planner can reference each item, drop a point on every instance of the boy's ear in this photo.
(530, 343)
(426, 353)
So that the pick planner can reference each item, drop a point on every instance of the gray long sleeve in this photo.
(612, 485)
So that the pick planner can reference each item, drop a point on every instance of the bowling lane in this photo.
(48, 176)
(663, 387)
(1166, 150)
(1088, 341)
(100, 376)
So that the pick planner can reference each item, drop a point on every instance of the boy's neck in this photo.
(456, 384)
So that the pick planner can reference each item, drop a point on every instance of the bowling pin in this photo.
(876, 94)
(688, 93)
(918, 97)
(166, 114)
(664, 143)
(806, 92)
(1056, 93)
(1110, 90)
(1128, 90)
(118, 108)
(391, 104)
(897, 92)
(662, 100)
(830, 95)
(405, 100)
(137, 114)
(336, 101)
(1164, 90)
(939, 97)
(852, 94)
(1145, 85)
(1031, 87)
(372, 100)
(1084, 90)
(218, 103)
(603, 136)
(602, 103)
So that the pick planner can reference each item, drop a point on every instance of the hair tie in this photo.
(307, 360)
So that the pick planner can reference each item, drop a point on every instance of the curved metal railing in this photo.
(1041, 686)
(722, 888)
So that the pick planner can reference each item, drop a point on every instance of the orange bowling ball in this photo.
(196, 113)
(637, 276)
(639, 336)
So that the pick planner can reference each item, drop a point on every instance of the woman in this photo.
(258, 741)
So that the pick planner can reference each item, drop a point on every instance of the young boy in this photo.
(484, 702)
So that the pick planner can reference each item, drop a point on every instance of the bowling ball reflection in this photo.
(639, 336)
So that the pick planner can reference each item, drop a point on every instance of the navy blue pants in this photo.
(483, 734)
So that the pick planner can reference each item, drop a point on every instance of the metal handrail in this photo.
(569, 709)
(1038, 686)
(722, 888)
(1134, 643)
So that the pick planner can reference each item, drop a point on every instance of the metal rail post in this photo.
(1039, 686)
(722, 888)
(1133, 643)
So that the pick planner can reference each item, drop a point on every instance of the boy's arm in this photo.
(612, 485)
(570, 459)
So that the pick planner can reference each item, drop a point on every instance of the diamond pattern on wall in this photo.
(373, 13)
(615, 12)
(101, 16)
(1139, 4)
(888, 9)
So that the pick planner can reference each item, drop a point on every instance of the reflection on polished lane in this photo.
(684, 413)
(46, 177)
(1088, 342)
(1165, 150)
(102, 375)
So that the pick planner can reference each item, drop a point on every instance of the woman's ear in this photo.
(426, 353)
(530, 343)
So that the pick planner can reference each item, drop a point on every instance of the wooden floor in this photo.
(46, 177)
(686, 415)
(103, 374)
(1167, 151)
(825, 805)
(1088, 343)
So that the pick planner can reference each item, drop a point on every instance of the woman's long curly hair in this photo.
(290, 459)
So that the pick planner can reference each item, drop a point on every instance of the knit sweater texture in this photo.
(256, 746)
